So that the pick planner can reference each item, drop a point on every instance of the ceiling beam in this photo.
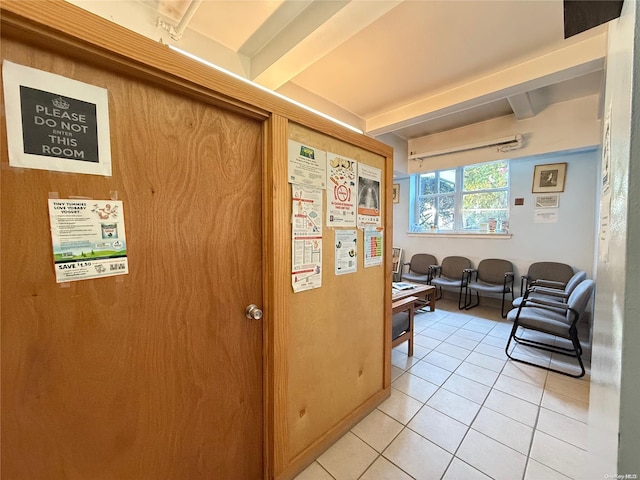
(316, 30)
(565, 63)
(521, 105)
(292, 21)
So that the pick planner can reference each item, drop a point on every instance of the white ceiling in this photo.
(407, 67)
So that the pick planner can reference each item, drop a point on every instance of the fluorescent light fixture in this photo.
(264, 89)
(505, 144)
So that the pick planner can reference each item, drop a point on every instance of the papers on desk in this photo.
(402, 286)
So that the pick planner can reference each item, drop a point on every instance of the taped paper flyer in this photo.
(341, 191)
(368, 196)
(88, 239)
(306, 230)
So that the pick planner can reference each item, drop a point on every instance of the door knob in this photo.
(253, 312)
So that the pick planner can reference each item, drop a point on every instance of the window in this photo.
(474, 198)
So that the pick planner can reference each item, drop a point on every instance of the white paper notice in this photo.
(307, 165)
(55, 123)
(306, 251)
(346, 251)
(88, 239)
(604, 234)
(545, 215)
(341, 191)
(373, 247)
(368, 196)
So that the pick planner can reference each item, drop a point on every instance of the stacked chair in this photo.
(547, 272)
(553, 314)
(551, 289)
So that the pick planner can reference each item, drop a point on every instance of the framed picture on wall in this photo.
(549, 178)
(396, 193)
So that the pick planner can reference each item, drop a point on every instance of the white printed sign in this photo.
(55, 123)
(341, 191)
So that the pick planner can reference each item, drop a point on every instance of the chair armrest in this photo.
(549, 284)
(435, 270)
(538, 302)
(467, 275)
(554, 292)
(508, 281)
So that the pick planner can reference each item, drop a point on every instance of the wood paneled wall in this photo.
(295, 329)
(342, 317)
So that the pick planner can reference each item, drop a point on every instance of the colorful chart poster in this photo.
(373, 247)
(341, 191)
(55, 123)
(368, 196)
(307, 165)
(306, 251)
(346, 253)
(88, 239)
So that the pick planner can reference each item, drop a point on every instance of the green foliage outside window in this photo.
(463, 199)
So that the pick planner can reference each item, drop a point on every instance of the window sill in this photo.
(484, 236)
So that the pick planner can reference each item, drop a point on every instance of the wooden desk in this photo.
(426, 293)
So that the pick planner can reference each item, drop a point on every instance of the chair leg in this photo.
(438, 292)
(462, 305)
(576, 352)
(502, 312)
(467, 301)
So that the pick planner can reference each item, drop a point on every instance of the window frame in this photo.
(458, 196)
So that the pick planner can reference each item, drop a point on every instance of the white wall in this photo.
(614, 415)
(570, 240)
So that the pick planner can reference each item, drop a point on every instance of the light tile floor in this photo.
(459, 410)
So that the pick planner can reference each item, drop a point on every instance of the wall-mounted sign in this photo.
(55, 123)
(307, 165)
(369, 211)
(346, 251)
(306, 238)
(88, 239)
(341, 191)
(373, 247)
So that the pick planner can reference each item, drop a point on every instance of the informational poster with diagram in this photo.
(307, 165)
(373, 247)
(346, 253)
(341, 191)
(55, 123)
(306, 251)
(88, 238)
(369, 196)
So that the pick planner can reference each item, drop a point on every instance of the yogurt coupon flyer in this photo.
(88, 238)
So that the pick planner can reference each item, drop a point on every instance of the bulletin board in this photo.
(345, 316)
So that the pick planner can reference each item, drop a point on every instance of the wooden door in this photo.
(156, 374)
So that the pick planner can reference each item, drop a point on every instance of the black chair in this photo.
(450, 275)
(493, 276)
(548, 271)
(551, 290)
(552, 318)
(419, 268)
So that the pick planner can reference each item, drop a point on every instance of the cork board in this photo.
(336, 332)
